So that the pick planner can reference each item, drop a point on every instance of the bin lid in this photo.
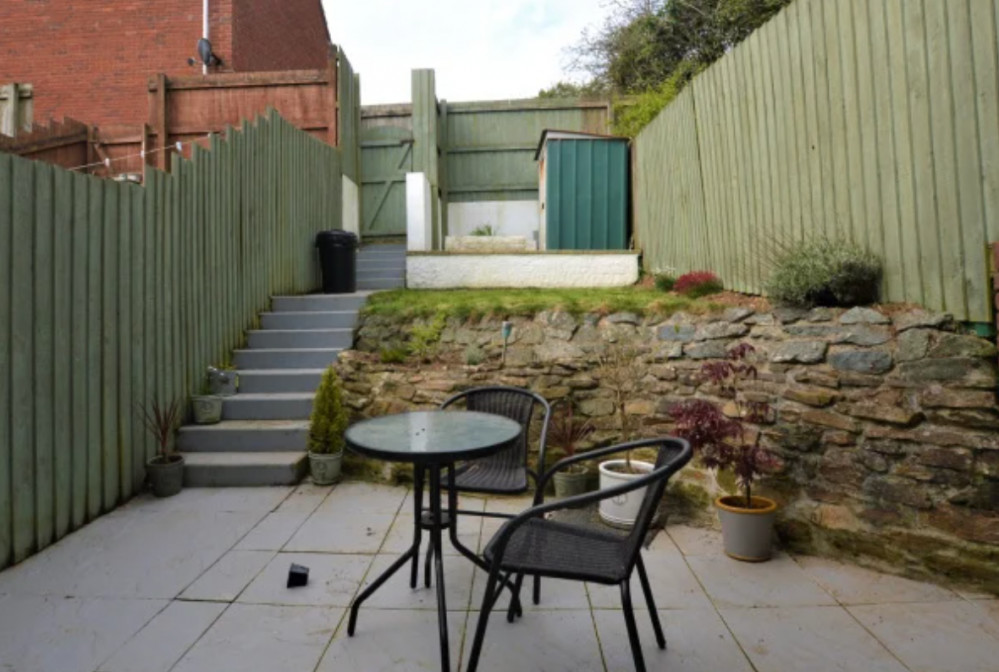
(336, 238)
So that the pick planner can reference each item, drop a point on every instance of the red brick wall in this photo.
(285, 35)
(92, 59)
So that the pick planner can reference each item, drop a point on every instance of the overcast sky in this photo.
(480, 49)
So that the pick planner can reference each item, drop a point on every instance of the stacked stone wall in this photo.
(886, 423)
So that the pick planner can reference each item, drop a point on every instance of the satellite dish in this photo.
(205, 52)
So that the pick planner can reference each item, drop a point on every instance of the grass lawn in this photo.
(501, 303)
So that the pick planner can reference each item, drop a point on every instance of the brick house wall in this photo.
(285, 35)
(92, 60)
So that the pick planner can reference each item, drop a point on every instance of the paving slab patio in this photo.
(196, 583)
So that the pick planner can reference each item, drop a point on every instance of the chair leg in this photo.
(537, 590)
(513, 609)
(629, 620)
(418, 530)
(480, 630)
(656, 625)
(427, 565)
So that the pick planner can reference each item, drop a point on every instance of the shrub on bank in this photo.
(824, 272)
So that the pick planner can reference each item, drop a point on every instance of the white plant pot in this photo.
(621, 511)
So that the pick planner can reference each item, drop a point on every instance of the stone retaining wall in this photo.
(887, 426)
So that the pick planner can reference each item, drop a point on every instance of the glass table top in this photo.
(431, 436)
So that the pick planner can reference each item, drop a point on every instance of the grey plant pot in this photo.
(325, 467)
(166, 476)
(570, 484)
(747, 533)
(207, 409)
(224, 383)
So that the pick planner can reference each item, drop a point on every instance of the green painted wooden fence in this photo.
(871, 120)
(471, 151)
(114, 294)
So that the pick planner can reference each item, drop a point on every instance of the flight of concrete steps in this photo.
(262, 437)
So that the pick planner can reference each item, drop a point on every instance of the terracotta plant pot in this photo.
(623, 510)
(325, 467)
(166, 475)
(569, 484)
(747, 532)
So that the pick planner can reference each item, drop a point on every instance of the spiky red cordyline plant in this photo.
(565, 431)
(721, 441)
(161, 421)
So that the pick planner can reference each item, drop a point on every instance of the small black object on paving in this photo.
(298, 575)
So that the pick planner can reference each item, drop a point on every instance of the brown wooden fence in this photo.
(68, 143)
(114, 294)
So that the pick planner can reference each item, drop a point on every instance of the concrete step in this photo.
(384, 247)
(363, 273)
(313, 358)
(300, 339)
(268, 406)
(279, 380)
(318, 302)
(247, 436)
(381, 261)
(340, 319)
(380, 283)
(244, 469)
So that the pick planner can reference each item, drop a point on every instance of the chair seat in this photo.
(560, 550)
(483, 476)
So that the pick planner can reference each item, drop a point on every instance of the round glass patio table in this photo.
(430, 441)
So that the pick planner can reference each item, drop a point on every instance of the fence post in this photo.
(160, 121)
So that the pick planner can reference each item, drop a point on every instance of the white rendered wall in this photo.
(351, 207)
(419, 214)
(446, 271)
(507, 218)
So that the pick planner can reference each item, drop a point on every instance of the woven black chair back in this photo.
(510, 402)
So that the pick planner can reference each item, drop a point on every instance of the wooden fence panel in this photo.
(62, 347)
(124, 294)
(43, 334)
(21, 264)
(6, 289)
(875, 121)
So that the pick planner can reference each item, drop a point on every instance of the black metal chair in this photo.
(532, 544)
(506, 472)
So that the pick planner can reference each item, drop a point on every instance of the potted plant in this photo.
(724, 442)
(326, 428)
(620, 374)
(566, 433)
(207, 406)
(166, 468)
(222, 380)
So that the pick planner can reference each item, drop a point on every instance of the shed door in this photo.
(586, 194)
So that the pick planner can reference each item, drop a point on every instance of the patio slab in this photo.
(197, 583)
(264, 638)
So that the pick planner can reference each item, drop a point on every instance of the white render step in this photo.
(309, 319)
(279, 380)
(268, 406)
(319, 302)
(284, 358)
(244, 436)
(244, 469)
(299, 339)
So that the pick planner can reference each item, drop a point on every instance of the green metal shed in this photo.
(584, 191)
